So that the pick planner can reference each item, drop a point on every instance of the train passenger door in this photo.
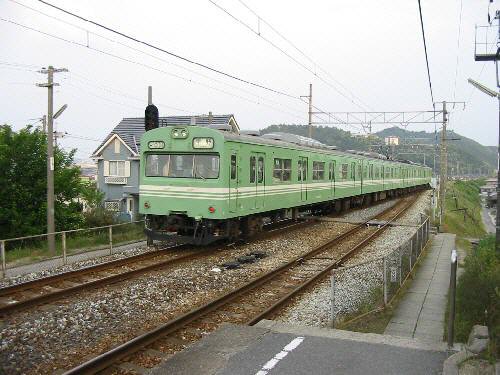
(353, 174)
(233, 182)
(257, 178)
(302, 173)
(331, 175)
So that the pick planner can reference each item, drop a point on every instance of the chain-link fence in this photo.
(33, 254)
(368, 286)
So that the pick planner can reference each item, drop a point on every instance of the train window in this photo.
(233, 167)
(371, 172)
(318, 170)
(206, 166)
(299, 170)
(252, 169)
(282, 170)
(157, 165)
(260, 170)
(201, 166)
(344, 171)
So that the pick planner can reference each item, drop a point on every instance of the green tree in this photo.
(23, 178)
(94, 213)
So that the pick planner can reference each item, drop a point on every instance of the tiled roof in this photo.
(132, 129)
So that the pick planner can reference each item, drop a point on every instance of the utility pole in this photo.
(50, 154)
(443, 168)
(310, 109)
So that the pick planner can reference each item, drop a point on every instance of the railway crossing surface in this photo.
(412, 343)
(273, 348)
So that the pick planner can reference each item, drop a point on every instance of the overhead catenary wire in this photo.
(425, 50)
(147, 66)
(259, 34)
(300, 51)
(92, 33)
(170, 53)
(458, 49)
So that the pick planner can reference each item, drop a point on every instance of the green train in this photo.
(205, 184)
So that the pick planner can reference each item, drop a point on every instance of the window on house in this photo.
(117, 146)
(318, 170)
(282, 170)
(117, 168)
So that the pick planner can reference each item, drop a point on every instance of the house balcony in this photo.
(114, 180)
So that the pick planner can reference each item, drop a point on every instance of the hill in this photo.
(464, 154)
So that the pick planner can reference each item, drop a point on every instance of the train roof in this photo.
(282, 139)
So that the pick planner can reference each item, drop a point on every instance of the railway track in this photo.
(44, 290)
(247, 304)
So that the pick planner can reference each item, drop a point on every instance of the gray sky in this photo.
(372, 48)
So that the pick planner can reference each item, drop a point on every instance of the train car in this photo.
(205, 184)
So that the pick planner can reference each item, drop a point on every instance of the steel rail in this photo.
(58, 293)
(107, 359)
(336, 264)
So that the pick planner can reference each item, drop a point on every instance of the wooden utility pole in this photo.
(310, 109)
(50, 154)
(443, 168)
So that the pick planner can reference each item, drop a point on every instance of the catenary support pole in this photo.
(310, 109)
(442, 169)
(50, 154)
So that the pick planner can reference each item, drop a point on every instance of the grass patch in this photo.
(29, 251)
(478, 294)
(463, 209)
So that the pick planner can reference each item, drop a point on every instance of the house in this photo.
(118, 159)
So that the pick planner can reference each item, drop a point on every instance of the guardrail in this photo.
(77, 244)
(370, 286)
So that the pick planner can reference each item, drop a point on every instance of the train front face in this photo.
(183, 190)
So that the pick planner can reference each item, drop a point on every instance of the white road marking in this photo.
(269, 365)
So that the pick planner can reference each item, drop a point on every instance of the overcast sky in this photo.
(371, 51)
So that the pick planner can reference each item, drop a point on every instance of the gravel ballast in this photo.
(62, 334)
(355, 286)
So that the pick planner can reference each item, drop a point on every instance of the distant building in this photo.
(118, 159)
(391, 140)
(88, 170)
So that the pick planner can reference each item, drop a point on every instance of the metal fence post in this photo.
(400, 265)
(110, 240)
(418, 238)
(385, 281)
(411, 256)
(4, 263)
(453, 284)
(63, 242)
(332, 297)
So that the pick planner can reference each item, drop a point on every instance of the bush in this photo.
(98, 217)
(478, 293)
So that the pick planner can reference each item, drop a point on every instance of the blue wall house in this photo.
(118, 159)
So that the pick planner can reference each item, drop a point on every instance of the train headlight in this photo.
(179, 133)
(203, 143)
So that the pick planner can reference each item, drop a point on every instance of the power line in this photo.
(458, 49)
(316, 65)
(425, 49)
(282, 50)
(88, 33)
(148, 66)
(215, 70)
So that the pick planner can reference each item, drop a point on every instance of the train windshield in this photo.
(202, 166)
